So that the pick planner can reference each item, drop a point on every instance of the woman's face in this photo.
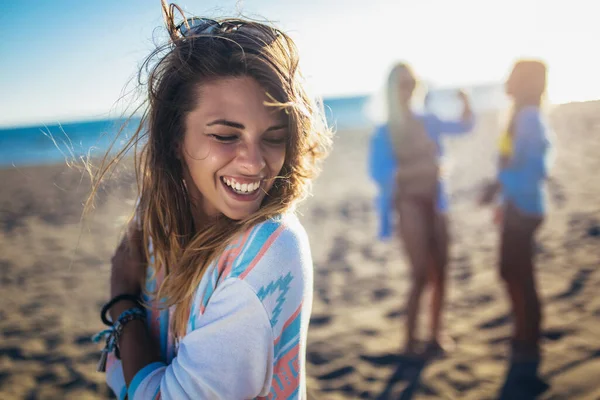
(233, 147)
(406, 84)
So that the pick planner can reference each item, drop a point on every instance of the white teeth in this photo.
(242, 188)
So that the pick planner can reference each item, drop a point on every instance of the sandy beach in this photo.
(54, 274)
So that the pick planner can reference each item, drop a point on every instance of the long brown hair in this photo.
(174, 72)
(526, 85)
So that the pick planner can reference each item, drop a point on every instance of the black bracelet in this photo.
(115, 300)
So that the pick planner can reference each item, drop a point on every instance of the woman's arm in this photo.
(465, 124)
(228, 356)
(128, 268)
(233, 338)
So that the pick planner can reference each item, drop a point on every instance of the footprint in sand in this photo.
(382, 360)
(339, 250)
(462, 270)
(395, 314)
(326, 352)
(557, 193)
(582, 226)
(496, 322)
(369, 332)
(12, 332)
(556, 334)
(4, 376)
(577, 284)
(84, 340)
(368, 254)
(53, 341)
(317, 321)
(381, 293)
(356, 210)
(318, 213)
(31, 308)
(594, 231)
(47, 377)
(337, 373)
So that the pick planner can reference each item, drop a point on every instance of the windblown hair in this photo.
(175, 71)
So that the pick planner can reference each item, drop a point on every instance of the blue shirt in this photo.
(383, 164)
(524, 177)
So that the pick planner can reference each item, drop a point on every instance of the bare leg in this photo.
(511, 271)
(415, 235)
(516, 292)
(438, 274)
(517, 270)
(532, 306)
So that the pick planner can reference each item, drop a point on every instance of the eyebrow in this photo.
(237, 125)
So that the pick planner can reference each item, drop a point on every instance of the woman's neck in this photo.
(405, 109)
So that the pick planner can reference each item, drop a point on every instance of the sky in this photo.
(65, 60)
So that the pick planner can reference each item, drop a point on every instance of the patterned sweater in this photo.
(247, 329)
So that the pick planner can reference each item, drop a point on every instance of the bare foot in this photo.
(439, 348)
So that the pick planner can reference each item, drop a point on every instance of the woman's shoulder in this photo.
(270, 247)
(281, 231)
(272, 253)
(531, 119)
(273, 258)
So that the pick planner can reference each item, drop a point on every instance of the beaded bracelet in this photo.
(127, 316)
(113, 334)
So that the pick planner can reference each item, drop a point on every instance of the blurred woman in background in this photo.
(523, 150)
(405, 163)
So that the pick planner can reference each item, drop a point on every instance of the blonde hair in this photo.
(527, 86)
(164, 210)
(406, 132)
(395, 118)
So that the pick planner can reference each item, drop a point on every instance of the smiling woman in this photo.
(212, 285)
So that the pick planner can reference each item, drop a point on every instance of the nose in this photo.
(251, 158)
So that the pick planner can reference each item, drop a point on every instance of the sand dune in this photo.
(52, 292)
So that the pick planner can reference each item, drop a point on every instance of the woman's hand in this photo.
(467, 111)
(498, 215)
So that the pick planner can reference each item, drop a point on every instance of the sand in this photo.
(54, 277)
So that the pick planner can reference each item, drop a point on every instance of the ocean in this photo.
(64, 142)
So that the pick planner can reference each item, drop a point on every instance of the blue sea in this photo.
(69, 141)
